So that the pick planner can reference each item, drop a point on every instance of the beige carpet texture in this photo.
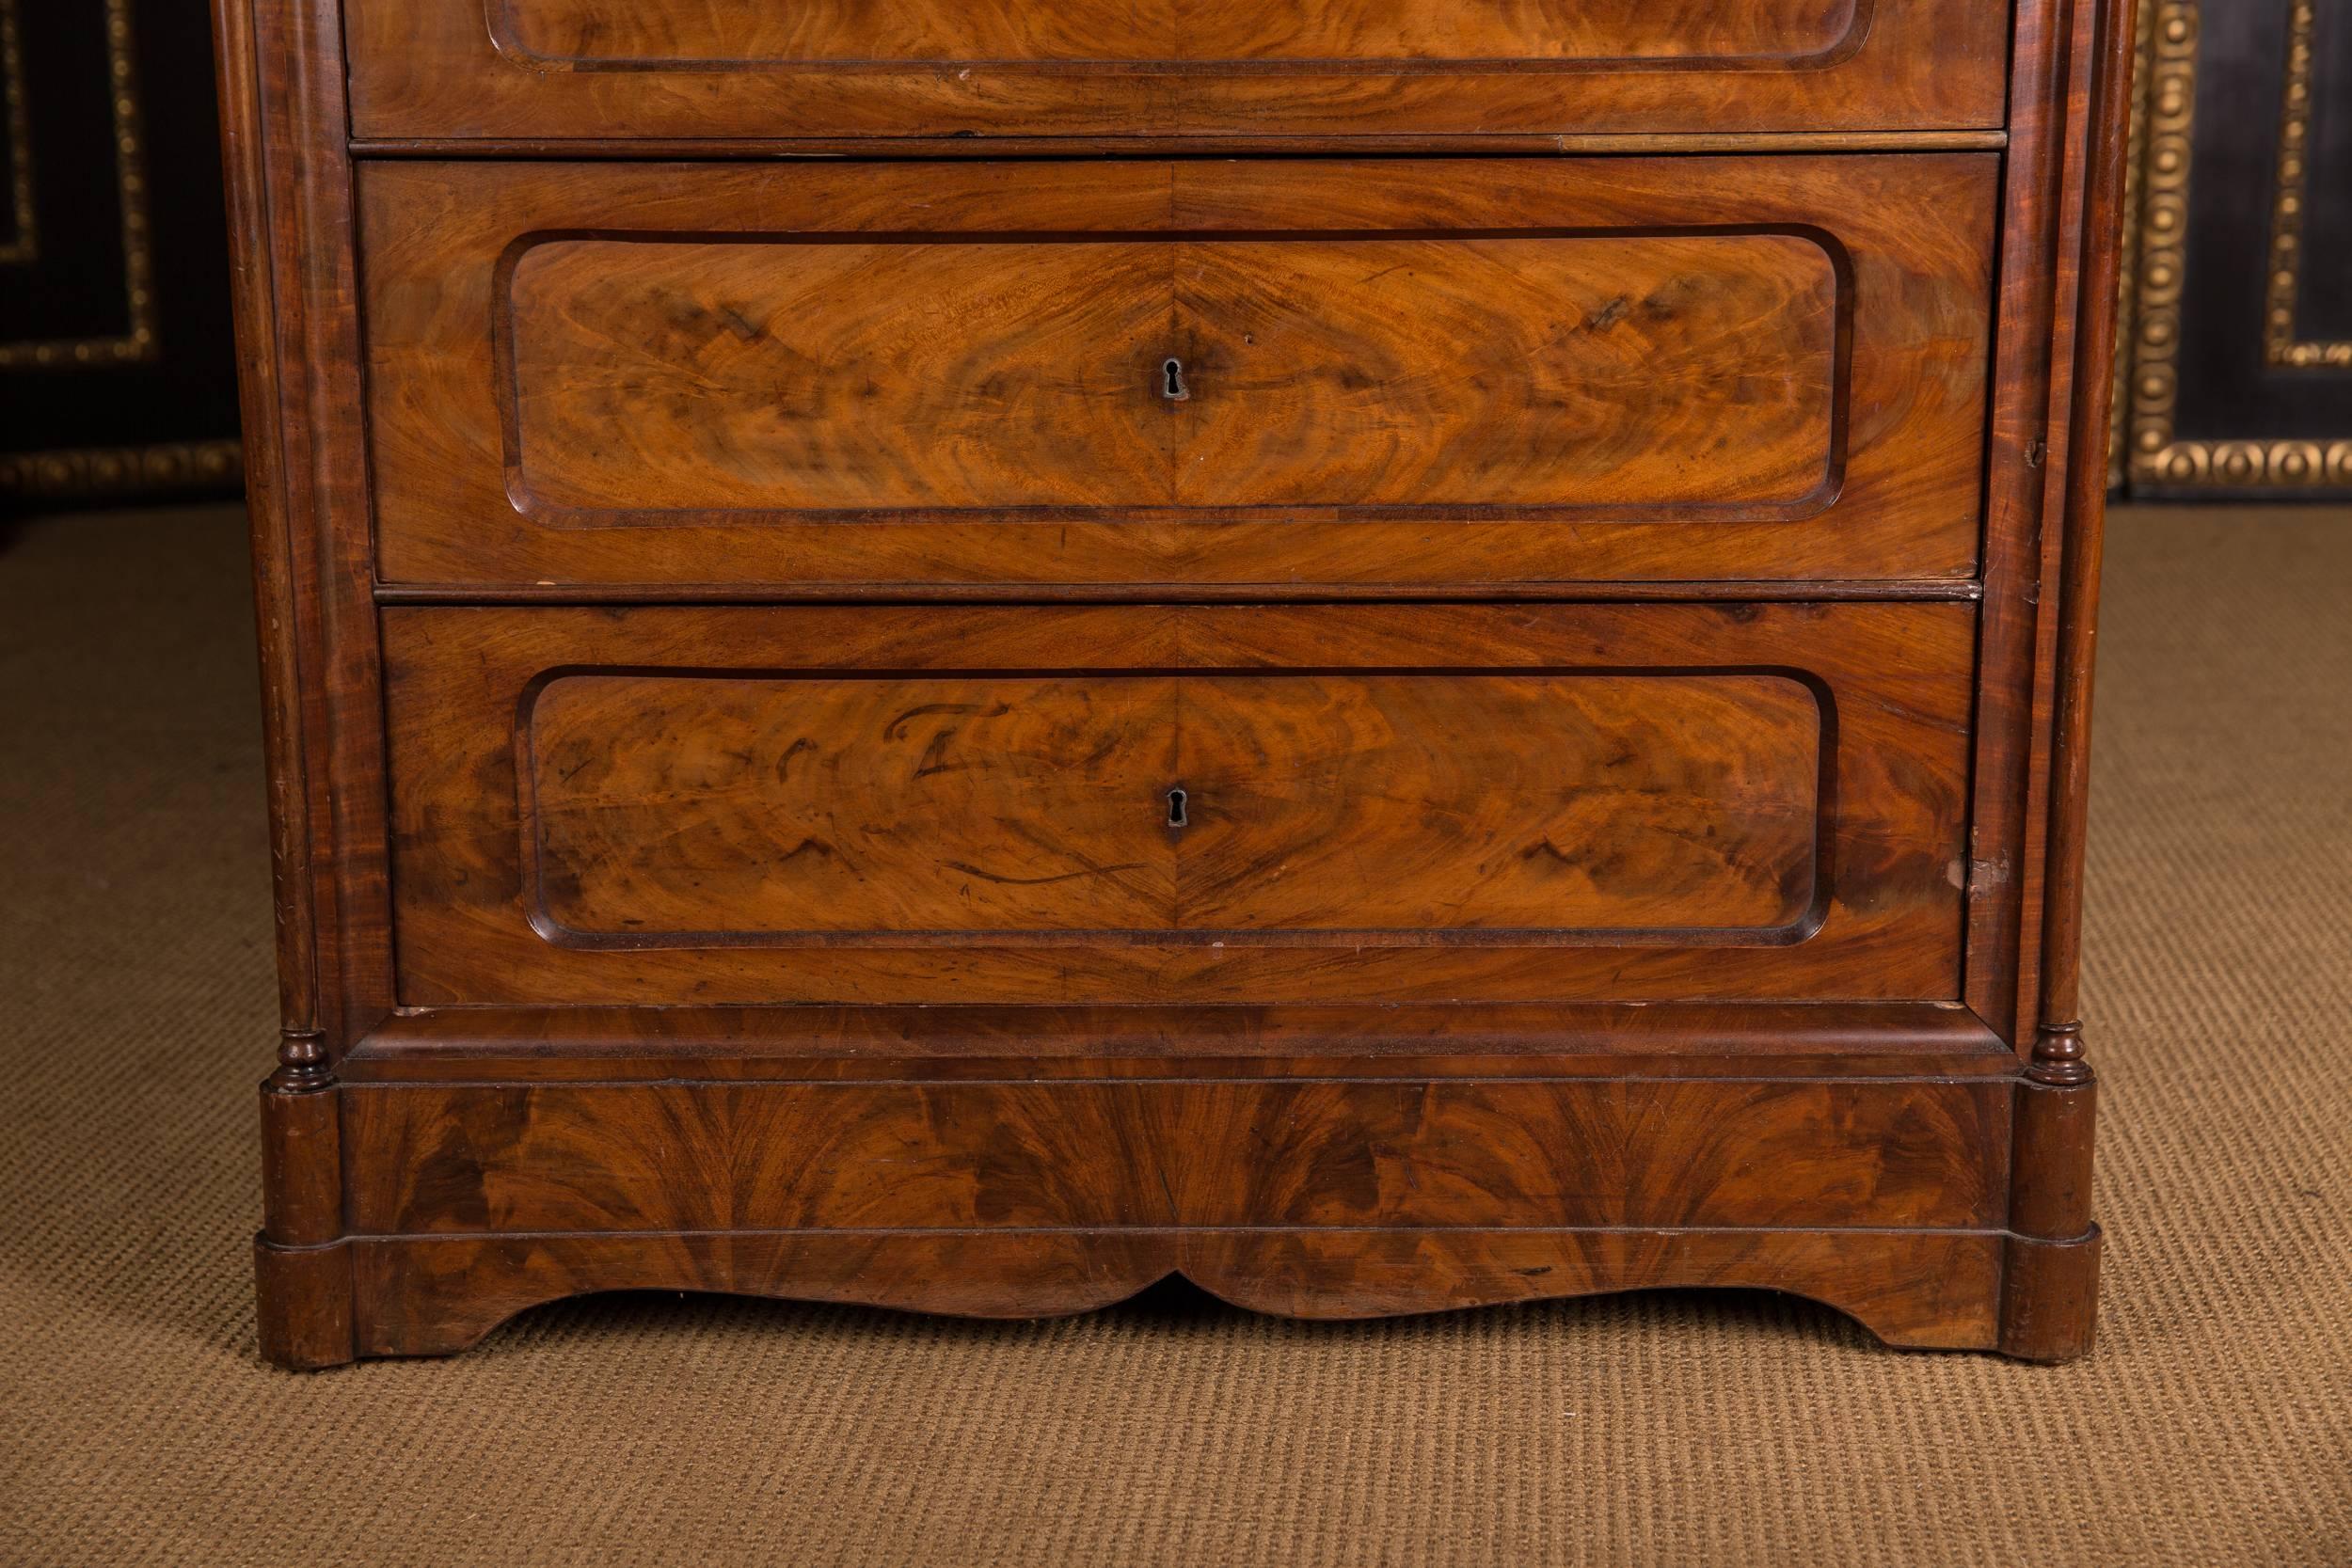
(2213, 1425)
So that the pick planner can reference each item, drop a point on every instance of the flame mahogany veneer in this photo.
(1391, 653)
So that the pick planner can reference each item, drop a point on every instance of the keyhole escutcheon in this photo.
(1176, 804)
(1172, 386)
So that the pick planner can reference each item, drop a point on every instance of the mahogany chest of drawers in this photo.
(1391, 653)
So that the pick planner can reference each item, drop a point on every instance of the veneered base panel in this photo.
(1333, 1196)
(433, 1295)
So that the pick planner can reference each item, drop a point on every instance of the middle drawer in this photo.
(1491, 374)
(1200, 803)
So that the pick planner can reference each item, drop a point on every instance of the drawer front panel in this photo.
(695, 808)
(1653, 376)
(817, 32)
(560, 69)
(1178, 804)
(825, 379)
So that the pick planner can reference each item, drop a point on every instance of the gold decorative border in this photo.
(122, 471)
(2280, 346)
(141, 343)
(2127, 263)
(24, 236)
(2156, 457)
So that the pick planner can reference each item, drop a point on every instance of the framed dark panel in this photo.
(2311, 321)
(118, 369)
(2239, 305)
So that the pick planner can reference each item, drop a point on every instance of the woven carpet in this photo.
(2213, 1425)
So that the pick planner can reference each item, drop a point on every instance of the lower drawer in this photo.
(1178, 804)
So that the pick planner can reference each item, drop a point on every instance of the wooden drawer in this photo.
(1158, 804)
(569, 68)
(825, 378)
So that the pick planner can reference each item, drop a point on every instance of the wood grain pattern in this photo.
(2051, 1298)
(435, 1295)
(271, 488)
(823, 379)
(2005, 856)
(1364, 1039)
(1318, 1198)
(776, 1156)
(291, 193)
(689, 811)
(603, 33)
(2057, 1055)
(971, 149)
(1300, 68)
(1407, 378)
(1378, 793)
(305, 1299)
(1621, 377)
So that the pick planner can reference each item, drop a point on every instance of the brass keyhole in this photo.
(1176, 804)
(1174, 388)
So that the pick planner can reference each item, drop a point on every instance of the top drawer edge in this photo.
(560, 71)
(944, 148)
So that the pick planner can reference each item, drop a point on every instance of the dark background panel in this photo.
(2229, 390)
(2233, 378)
(73, 284)
(105, 414)
(2324, 307)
